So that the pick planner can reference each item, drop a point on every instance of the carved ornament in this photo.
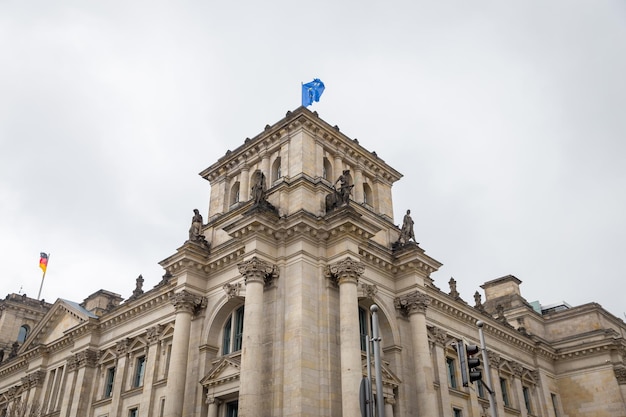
(347, 270)
(415, 302)
(257, 270)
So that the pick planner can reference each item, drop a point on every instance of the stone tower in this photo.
(301, 252)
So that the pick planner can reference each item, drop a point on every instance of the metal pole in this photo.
(42, 277)
(483, 347)
(380, 400)
(369, 396)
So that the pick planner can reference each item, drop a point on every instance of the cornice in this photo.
(331, 138)
(463, 313)
(128, 311)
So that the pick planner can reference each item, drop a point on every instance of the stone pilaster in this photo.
(82, 380)
(185, 304)
(256, 273)
(146, 408)
(413, 306)
(347, 273)
(440, 338)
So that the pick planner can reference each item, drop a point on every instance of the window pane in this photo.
(526, 393)
(451, 372)
(139, 371)
(238, 329)
(226, 339)
(232, 409)
(363, 328)
(110, 378)
(505, 393)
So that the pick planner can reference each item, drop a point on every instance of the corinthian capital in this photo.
(347, 270)
(257, 270)
(186, 301)
(415, 302)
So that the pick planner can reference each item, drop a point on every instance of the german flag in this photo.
(43, 261)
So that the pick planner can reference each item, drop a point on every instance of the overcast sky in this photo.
(506, 120)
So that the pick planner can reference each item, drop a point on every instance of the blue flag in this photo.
(312, 92)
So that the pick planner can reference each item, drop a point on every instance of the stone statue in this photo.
(340, 196)
(344, 187)
(258, 187)
(138, 286)
(406, 233)
(195, 230)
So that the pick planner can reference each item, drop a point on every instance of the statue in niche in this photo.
(259, 194)
(340, 196)
(259, 189)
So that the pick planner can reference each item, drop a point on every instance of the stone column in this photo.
(413, 306)
(358, 185)
(244, 185)
(146, 407)
(185, 303)
(389, 402)
(347, 273)
(256, 272)
(337, 169)
(265, 167)
(214, 405)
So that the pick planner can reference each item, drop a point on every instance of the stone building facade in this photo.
(264, 311)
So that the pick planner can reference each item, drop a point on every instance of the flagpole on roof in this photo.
(45, 268)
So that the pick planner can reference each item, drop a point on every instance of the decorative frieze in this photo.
(415, 302)
(257, 270)
(347, 270)
(494, 359)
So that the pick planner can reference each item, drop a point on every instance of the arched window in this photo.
(276, 170)
(23, 333)
(233, 332)
(367, 195)
(327, 170)
(234, 194)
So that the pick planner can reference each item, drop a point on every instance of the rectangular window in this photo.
(363, 328)
(108, 384)
(139, 371)
(238, 329)
(526, 392)
(505, 392)
(451, 372)
(457, 412)
(232, 409)
(133, 412)
(481, 388)
(555, 405)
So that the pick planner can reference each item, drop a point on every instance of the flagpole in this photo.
(43, 276)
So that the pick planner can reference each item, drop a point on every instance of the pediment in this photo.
(63, 316)
(389, 378)
(224, 370)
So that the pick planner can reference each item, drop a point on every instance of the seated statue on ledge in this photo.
(341, 196)
(195, 231)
